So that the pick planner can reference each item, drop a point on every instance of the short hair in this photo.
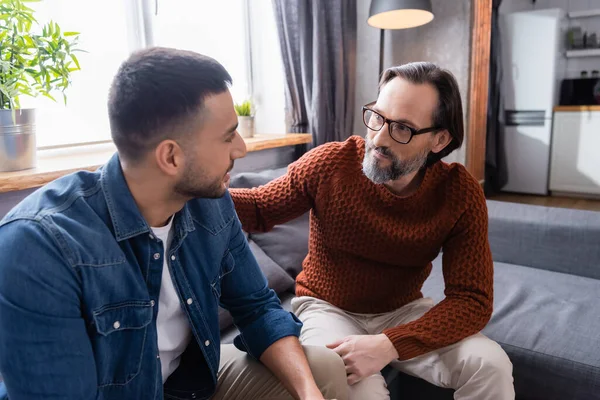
(156, 93)
(449, 111)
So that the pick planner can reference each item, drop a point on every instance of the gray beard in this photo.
(397, 169)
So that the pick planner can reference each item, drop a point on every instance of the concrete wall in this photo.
(444, 41)
(367, 64)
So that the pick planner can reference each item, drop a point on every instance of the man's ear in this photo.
(440, 140)
(169, 157)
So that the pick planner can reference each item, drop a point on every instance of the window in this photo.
(110, 30)
(215, 28)
(107, 36)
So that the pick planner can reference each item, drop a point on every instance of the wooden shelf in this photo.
(584, 14)
(583, 53)
(264, 142)
(577, 108)
(53, 164)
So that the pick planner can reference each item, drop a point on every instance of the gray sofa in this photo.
(546, 304)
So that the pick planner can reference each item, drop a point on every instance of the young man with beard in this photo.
(114, 291)
(382, 209)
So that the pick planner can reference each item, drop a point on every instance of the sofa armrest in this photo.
(554, 239)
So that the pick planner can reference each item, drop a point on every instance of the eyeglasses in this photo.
(398, 131)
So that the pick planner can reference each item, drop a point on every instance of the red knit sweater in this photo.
(370, 251)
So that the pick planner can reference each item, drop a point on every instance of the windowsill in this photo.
(53, 164)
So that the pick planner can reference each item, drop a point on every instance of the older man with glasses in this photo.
(382, 209)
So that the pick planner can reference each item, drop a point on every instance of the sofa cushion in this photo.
(554, 239)
(278, 280)
(286, 244)
(246, 180)
(548, 323)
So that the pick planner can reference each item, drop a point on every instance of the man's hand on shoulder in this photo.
(364, 355)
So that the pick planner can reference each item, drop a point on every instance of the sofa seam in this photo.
(549, 355)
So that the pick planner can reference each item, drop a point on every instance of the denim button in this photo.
(207, 343)
(152, 303)
(173, 258)
(117, 325)
(156, 256)
(190, 301)
(151, 237)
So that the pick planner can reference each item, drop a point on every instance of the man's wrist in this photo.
(389, 347)
(309, 391)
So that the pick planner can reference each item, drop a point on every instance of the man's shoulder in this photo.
(458, 183)
(63, 215)
(333, 156)
(351, 147)
(56, 197)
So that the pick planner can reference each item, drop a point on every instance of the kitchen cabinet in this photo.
(575, 156)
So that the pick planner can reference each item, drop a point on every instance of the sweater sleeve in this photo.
(282, 199)
(468, 276)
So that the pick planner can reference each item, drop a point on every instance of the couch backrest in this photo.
(554, 239)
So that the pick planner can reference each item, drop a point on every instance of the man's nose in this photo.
(380, 138)
(240, 149)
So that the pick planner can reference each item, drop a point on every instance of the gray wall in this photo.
(444, 41)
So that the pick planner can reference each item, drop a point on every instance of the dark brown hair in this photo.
(449, 112)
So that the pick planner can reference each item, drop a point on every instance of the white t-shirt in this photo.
(173, 327)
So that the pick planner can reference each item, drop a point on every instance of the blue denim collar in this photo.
(124, 212)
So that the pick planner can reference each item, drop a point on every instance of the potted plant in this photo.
(32, 63)
(245, 119)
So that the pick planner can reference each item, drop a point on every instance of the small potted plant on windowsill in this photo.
(245, 119)
(31, 64)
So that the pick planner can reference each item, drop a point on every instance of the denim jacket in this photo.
(79, 284)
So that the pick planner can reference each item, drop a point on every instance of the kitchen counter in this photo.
(577, 108)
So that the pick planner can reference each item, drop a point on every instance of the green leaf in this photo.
(48, 95)
(28, 40)
(55, 70)
(67, 34)
(76, 61)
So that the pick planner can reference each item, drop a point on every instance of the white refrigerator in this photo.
(533, 65)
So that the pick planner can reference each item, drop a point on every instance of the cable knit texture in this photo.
(370, 251)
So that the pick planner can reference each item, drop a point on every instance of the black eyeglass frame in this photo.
(413, 131)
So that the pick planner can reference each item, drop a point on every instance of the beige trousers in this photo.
(241, 377)
(476, 367)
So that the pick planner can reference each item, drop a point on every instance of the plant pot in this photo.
(17, 139)
(246, 127)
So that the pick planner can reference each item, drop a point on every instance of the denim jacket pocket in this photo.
(227, 266)
(119, 340)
